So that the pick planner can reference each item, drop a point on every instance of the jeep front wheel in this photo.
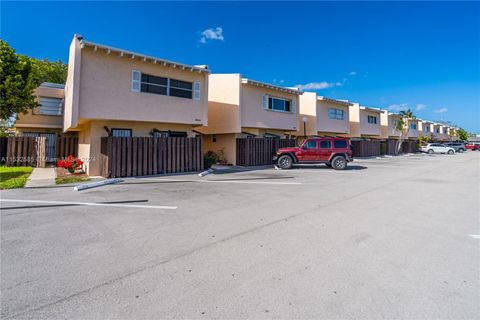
(285, 161)
(339, 163)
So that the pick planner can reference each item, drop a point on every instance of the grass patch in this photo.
(14, 177)
(71, 179)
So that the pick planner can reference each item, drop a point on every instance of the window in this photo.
(437, 130)
(372, 119)
(116, 132)
(142, 82)
(49, 107)
(336, 114)
(325, 144)
(339, 144)
(310, 144)
(279, 104)
(413, 126)
(427, 128)
(180, 89)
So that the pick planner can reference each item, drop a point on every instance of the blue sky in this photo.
(419, 55)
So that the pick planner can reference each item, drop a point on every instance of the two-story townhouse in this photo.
(322, 116)
(245, 108)
(413, 130)
(115, 92)
(426, 128)
(45, 120)
(365, 122)
(388, 122)
(437, 132)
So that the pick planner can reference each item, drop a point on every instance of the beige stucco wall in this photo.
(388, 125)
(30, 121)
(252, 114)
(72, 85)
(90, 133)
(105, 91)
(359, 125)
(413, 133)
(307, 110)
(325, 124)
(223, 104)
(227, 142)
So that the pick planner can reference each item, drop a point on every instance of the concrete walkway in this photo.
(41, 177)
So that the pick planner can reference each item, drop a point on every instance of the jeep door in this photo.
(309, 150)
(324, 150)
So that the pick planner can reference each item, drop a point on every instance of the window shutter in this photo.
(196, 90)
(136, 75)
(294, 106)
(265, 102)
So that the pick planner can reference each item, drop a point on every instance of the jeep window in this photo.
(310, 144)
(340, 144)
(324, 144)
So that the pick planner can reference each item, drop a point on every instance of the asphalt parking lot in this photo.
(387, 238)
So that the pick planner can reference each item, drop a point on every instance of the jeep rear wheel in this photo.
(285, 162)
(339, 163)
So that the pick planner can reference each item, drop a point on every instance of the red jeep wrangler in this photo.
(334, 152)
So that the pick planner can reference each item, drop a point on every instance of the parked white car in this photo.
(437, 148)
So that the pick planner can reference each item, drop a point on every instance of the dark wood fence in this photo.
(366, 148)
(3, 149)
(23, 151)
(410, 146)
(141, 156)
(67, 146)
(391, 147)
(259, 151)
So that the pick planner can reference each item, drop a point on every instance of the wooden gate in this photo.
(259, 151)
(141, 156)
(25, 151)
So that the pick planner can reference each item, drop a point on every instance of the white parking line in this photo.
(475, 236)
(89, 204)
(226, 181)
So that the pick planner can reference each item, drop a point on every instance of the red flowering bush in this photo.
(71, 164)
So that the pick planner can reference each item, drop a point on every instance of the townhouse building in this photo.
(245, 108)
(365, 122)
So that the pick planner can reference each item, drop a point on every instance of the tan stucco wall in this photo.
(412, 133)
(223, 104)
(227, 142)
(307, 109)
(105, 91)
(32, 120)
(72, 86)
(253, 115)
(368, 128)
(325, 124)
(90, 133)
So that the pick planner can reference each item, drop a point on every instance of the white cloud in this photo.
(398, 107)
(352, 73)
(318, 85)
(420, 106)
(441, 110)
(212, 34)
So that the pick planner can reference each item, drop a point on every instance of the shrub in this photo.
(209, 159)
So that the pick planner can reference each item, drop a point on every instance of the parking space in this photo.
(389, 238)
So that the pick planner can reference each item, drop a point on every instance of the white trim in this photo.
(197, 91)
(136, 82)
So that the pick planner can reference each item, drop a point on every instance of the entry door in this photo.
(50, 143)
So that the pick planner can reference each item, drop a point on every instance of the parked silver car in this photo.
(457, 146)
(437, 148)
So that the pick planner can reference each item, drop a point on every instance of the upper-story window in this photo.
(413, 126)
(120, 132)
(437, 130)
(142, 82)
(427, 128)
(336, 114)
(279, 104)
(49, 106)
(372, 119)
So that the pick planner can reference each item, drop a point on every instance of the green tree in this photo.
(16, 83)
(47, 71)
(403, 127)
(462, 134)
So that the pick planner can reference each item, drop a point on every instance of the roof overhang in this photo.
(271, 86)
(145, 58)
(340, 102)
(370, 109)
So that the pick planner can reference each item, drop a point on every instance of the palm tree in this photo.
(403, 127)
